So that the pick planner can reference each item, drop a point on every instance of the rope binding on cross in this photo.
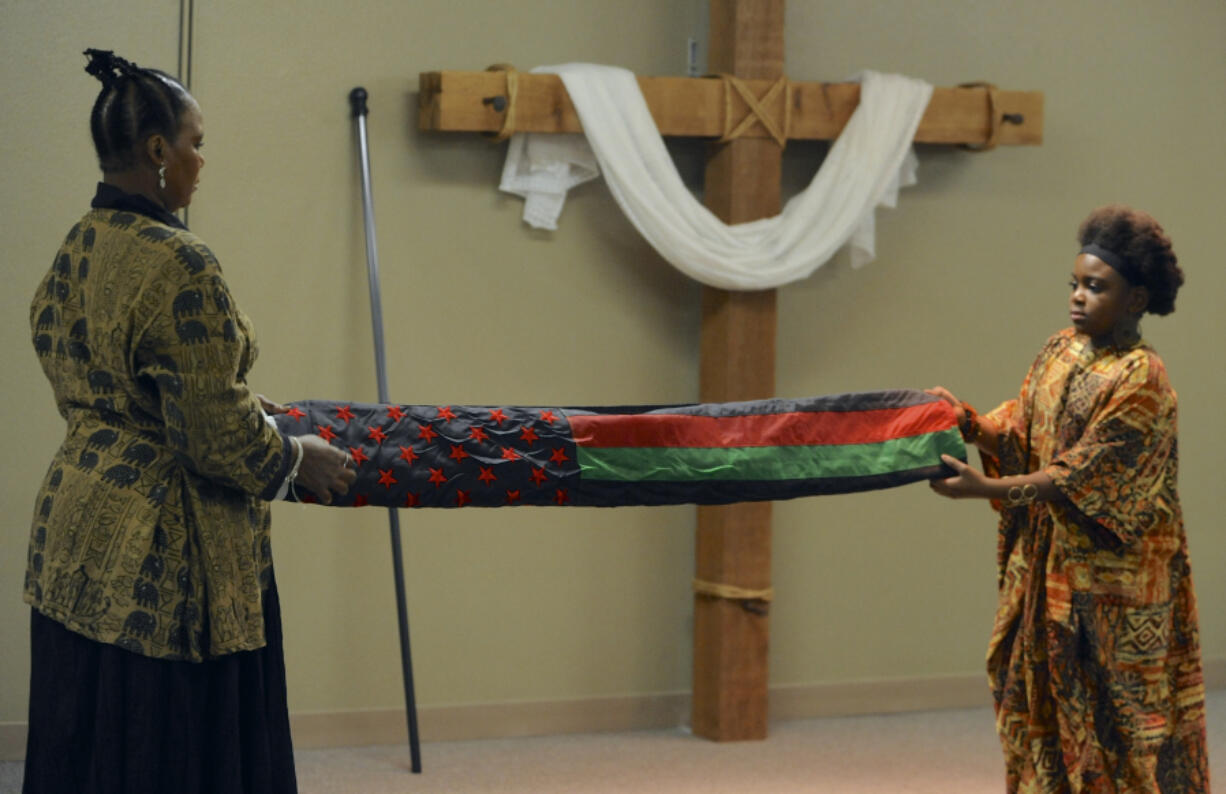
(752, 600)
(994, 116)
(777, 128)
(508, 120)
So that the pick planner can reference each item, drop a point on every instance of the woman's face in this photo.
(1101, 300)
(183, 159)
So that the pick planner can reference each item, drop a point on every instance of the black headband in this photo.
(1120, 264)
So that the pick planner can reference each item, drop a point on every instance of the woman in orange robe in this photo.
(1094, 658)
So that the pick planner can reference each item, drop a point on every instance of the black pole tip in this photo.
(357, 101)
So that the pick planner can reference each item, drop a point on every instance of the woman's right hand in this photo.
(954, 402)
(324, 469)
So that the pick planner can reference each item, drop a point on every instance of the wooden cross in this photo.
(742, 183)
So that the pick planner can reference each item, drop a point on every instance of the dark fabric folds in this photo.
(107, 721)
(707, 453)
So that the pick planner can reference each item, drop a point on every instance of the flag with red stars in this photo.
(711, 453)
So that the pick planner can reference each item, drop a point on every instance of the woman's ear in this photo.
(155, 149)
(1138, 300)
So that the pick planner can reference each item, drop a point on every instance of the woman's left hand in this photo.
(271, 407)
(967, 482)
(954, 402)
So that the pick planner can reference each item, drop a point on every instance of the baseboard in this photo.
(12, 741)
(630, 713)
(881, 696)
(648, 712)
(492, 720)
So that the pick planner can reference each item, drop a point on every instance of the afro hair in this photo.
(1137, 237)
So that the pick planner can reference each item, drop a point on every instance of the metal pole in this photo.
(357, 101)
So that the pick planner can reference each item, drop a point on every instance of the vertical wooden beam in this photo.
(742, 183)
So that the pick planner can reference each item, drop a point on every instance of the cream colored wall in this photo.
(969, 282)
(540, 604)
(48, 172)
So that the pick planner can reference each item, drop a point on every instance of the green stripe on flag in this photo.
(689, 464)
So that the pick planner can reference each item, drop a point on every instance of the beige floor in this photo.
(942, 752)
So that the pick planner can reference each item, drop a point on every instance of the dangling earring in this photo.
(162, 176)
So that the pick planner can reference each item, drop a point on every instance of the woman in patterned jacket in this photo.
(156, 651)
(1094, 658)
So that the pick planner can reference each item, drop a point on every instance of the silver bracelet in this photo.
(293, 471)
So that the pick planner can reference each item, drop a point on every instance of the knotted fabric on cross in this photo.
(712, 453)
(864, 168)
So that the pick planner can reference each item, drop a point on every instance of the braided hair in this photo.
(133, 104)
(1137, 237)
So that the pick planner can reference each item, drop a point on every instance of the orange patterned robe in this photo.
(1095, 656)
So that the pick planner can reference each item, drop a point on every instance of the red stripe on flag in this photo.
(801, 428)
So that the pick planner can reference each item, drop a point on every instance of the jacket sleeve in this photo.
(1008, 422)
(191, 351)
(1120, 473)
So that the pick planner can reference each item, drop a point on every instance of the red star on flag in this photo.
(377, 434)
(458, 453)
(344, 413)
(512, 497)
(462, 498)
(386, 479)
(487, 475)
(359, 457)
(412, 500)
(446, 413)
(428, 433)
(528, 435)
(327, 433)
(395, 413)
(559, 456)
(560, 497)
(295, 412)
(436, 477)
(509, 454)
(548, 416)
(477, 434)
(538, 476)
(408, 455)
(497, 416)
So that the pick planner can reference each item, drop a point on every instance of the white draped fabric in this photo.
(864, 168)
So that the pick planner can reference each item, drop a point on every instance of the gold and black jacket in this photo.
(151, 528)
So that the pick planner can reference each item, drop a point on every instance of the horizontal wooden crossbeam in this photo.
(694, 106)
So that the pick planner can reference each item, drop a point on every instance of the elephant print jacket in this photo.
(151, 526)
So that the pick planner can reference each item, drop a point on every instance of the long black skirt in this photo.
(107, 721)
